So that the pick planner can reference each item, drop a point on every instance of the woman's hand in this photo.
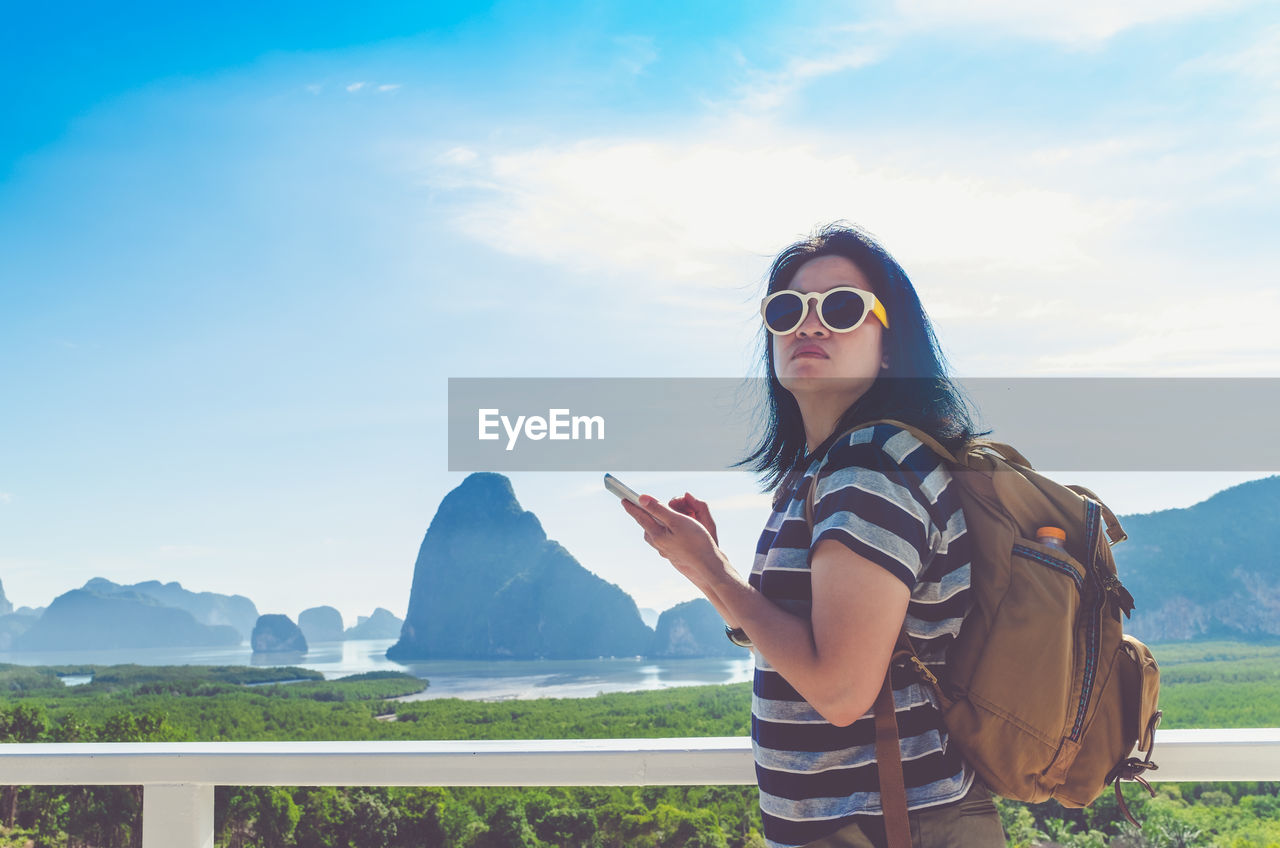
(688, 543)
(694, 508)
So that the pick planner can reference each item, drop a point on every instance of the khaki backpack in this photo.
(1043, 693)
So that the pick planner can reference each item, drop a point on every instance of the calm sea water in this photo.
(448, 678)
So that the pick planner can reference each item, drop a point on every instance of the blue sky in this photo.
(242, 251)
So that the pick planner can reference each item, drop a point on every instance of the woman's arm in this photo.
(836, 659)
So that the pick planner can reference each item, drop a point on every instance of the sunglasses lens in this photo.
(782, 314)
(843, 310)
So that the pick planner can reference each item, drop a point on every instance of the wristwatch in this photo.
(737, 636)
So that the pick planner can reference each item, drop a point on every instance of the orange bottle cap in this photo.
(1055, 532)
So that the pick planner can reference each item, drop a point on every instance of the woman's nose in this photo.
(811, 325)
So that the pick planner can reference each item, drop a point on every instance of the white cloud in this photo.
(837, 46)
(635, 53)
(1034, 259)
(1257, 63)
(389, 86)
(1228, 332)
(314, 88)
(355, 86)
(681, 208)
(765, 90)
(1105, 151)
(459, 156)
(6, 497)
(1082, 23)
(807, 54)
(1258, 60)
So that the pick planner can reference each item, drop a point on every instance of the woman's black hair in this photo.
(916, 387)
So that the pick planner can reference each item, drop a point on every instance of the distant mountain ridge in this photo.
(207, 607)
(1211, 570)
(85, 619)
(488, 583)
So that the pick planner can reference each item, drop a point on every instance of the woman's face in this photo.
(811, 358)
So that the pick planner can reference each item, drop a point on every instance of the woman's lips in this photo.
(809, 350)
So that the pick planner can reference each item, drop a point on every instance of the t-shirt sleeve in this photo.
(873, 505)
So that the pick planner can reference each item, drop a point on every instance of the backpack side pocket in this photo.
(1126, 717)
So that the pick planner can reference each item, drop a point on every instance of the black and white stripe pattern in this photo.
(889, 498)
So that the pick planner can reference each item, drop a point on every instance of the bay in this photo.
(473, 680)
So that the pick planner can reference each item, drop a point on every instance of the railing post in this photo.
(177, 815)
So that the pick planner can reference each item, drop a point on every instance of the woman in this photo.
(823, 611)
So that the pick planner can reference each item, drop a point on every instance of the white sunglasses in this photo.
(841, 310)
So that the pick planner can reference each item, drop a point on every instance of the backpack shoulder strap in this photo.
(1114, 531)
(926, 439)
(893, 785)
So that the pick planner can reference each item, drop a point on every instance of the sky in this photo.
(243, 248)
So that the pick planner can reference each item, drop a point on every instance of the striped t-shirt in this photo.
(888, 498)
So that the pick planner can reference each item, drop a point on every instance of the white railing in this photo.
(178, 777)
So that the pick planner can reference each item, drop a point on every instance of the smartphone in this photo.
(624, 492)
(620, 489)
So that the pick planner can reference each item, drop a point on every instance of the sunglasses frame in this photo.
(871, 305)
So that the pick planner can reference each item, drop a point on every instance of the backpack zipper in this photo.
(1095, 600)
(1123, 600)
(1054, 563)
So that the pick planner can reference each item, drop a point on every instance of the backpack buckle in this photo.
(923, 670)
(1120, 595)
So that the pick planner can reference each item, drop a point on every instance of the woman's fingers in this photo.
(655, 524)
(702, 512)
(644, 518)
